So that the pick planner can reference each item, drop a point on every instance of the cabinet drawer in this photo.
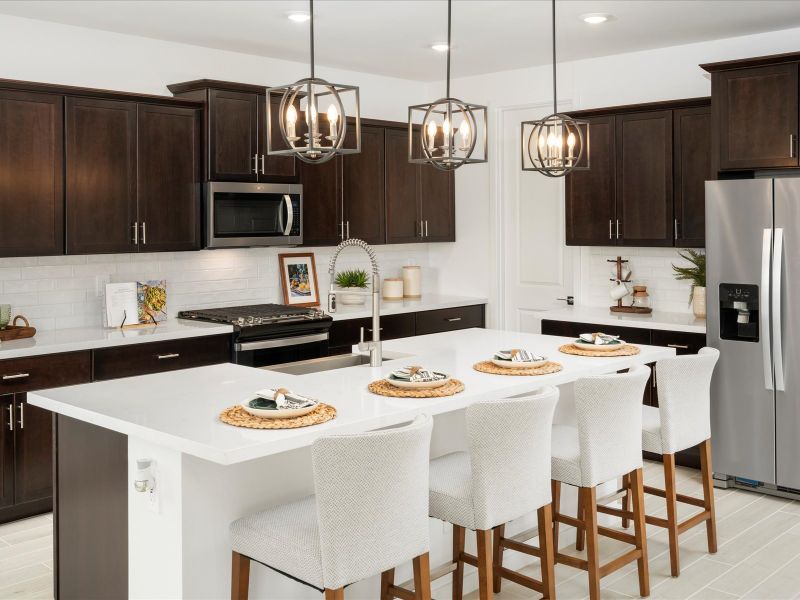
(450, 319)
(344, 334)
(684, 343)
(634, 335)
(42, 372)
(157, 357)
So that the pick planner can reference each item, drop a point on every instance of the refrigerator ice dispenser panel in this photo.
(738, 312)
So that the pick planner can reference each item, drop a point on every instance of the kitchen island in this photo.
(208, 473)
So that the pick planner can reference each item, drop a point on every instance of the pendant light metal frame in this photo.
(313, 88)
(446, 156)
(558, 158)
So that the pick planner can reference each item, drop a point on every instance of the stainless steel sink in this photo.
(329, 363)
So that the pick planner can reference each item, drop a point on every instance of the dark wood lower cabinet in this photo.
(450, 319)
(346, 333)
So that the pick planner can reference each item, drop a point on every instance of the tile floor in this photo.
(758, 558)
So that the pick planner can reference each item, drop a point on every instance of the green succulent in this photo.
(695, 273)
(357, 278)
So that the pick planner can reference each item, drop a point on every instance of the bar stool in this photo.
(369, 514)
(604, 446)
(682, 420)
(504, 475)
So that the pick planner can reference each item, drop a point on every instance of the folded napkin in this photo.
(417, 374)
(283, 398)
(518, 355)
(599, 339)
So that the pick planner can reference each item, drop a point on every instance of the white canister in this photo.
(392, 288)
(412, 281)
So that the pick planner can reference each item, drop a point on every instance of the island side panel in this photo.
(91, 511)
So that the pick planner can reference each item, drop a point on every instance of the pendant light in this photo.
(316, 137)
(447, 133)
(557, 144)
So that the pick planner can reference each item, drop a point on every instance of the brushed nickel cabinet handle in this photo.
(341, 230)
(426, 227)
(421, 229)
(11, 417)
(791, 145)
(678, 346)
(16, 376)
(263, 170)
(348, 230)
(135, 233)
(22, 415)
(171, 355)
(676, 229)
(617, 228)
(453, 319)
(255, 164)
(144, 233)
(610, 228)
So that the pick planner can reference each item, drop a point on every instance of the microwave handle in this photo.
(290, 212)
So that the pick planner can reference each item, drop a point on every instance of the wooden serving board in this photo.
(17, 332)
(631, 309)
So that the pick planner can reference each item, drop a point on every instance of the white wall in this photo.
(652, 75)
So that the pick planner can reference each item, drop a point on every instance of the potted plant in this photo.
(356, 280)
(696, 273)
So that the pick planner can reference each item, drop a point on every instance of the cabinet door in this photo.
(7, 419)
(402, 193)
(100, 175)
(758, 111)
(277, 169)
(33, 452)
(32, 163)
(590, 194)
(644, 178)
(232, 136)
(169, 155)
(322, 203)
(437, 204)
(692, 165)
(363, 188)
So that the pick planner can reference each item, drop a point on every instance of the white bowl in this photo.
(419, 385)
(510, 364)
(276, 413)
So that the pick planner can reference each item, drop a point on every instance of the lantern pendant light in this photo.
(317, 137)
(447, 133)
(557, 144)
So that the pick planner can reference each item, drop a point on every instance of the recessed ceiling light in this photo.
(299, 17)
(439, 47)
(595, 18)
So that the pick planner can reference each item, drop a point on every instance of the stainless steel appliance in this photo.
(270, 334)
(253, 214)
(753, 295)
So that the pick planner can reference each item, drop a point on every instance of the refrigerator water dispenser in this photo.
(738, 312)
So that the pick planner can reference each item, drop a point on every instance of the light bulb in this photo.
(446, 128)
(291, 119)
(464, 131)
(571, 140)
(333, 117)
(431, 131)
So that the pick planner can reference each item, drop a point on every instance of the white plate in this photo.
(418, 385)
(277, 413)
(510, 364)
(599, 347)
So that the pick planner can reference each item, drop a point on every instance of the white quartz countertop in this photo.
(602, 316)
(396, 307)
(87, 338)
(180, 409)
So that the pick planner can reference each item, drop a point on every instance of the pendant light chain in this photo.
(555, 91)
(449, 45)
(311, 28)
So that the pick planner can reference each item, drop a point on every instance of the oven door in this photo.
(253, 214)
(264, 353)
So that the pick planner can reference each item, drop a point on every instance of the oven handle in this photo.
(290, 214)
(282, 342)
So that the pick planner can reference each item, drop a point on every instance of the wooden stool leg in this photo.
(485, 564)
(589, 502)
(708, 495)
(556, 495)
(547, 557)
(671, 498)
(497, 555)
(240, 576)
(626, 499)
(639, 530)
(579, 533)
(337, 594)
(458, 573)
(387, 581)
(422, 577)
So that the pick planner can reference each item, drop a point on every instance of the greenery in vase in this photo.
(696, 273)
(357, 278)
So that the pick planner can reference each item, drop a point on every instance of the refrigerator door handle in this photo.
(776, 309)
(766, 255)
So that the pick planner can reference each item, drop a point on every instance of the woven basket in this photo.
(626, 350)
(487, 366)
(383, 388)
(239, 417)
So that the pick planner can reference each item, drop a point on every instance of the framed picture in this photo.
(299, 279)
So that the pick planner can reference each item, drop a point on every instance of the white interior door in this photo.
(536, 265)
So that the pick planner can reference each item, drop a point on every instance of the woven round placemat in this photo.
(626, 350)
(383, 388)
(487, 366)
(239, 417)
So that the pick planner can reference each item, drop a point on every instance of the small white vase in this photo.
(699, 302)
(355, 299)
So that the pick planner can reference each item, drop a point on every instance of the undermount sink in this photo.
(329, 363)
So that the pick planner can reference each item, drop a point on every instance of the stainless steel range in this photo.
(270, 334)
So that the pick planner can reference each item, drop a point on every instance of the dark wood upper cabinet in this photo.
(590, 195)
(6, 450)
(692, 167)
(233, 135)
(100, 176)
(33, 450)
(363, 187)
(274, 168)
(403, 223)
(437, 204)
(644, 178)
(323, 223)
(31, 174)
(169, 178)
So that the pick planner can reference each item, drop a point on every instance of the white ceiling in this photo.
(393, 37)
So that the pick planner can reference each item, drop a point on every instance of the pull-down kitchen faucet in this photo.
(374, 346)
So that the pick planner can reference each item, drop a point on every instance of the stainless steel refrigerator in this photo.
(753, 318)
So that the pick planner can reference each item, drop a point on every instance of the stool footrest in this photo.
(694, 520)
(653, 491)
(526, 535)
(572, 561)
(620, 561)
(616, 512)
(520, 579)
(621, 536)
(520, 547)
(436, 573)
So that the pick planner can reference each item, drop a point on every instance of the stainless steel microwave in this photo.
(239, 215)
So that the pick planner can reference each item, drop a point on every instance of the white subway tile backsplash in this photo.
(50, 272)
(9, 273)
